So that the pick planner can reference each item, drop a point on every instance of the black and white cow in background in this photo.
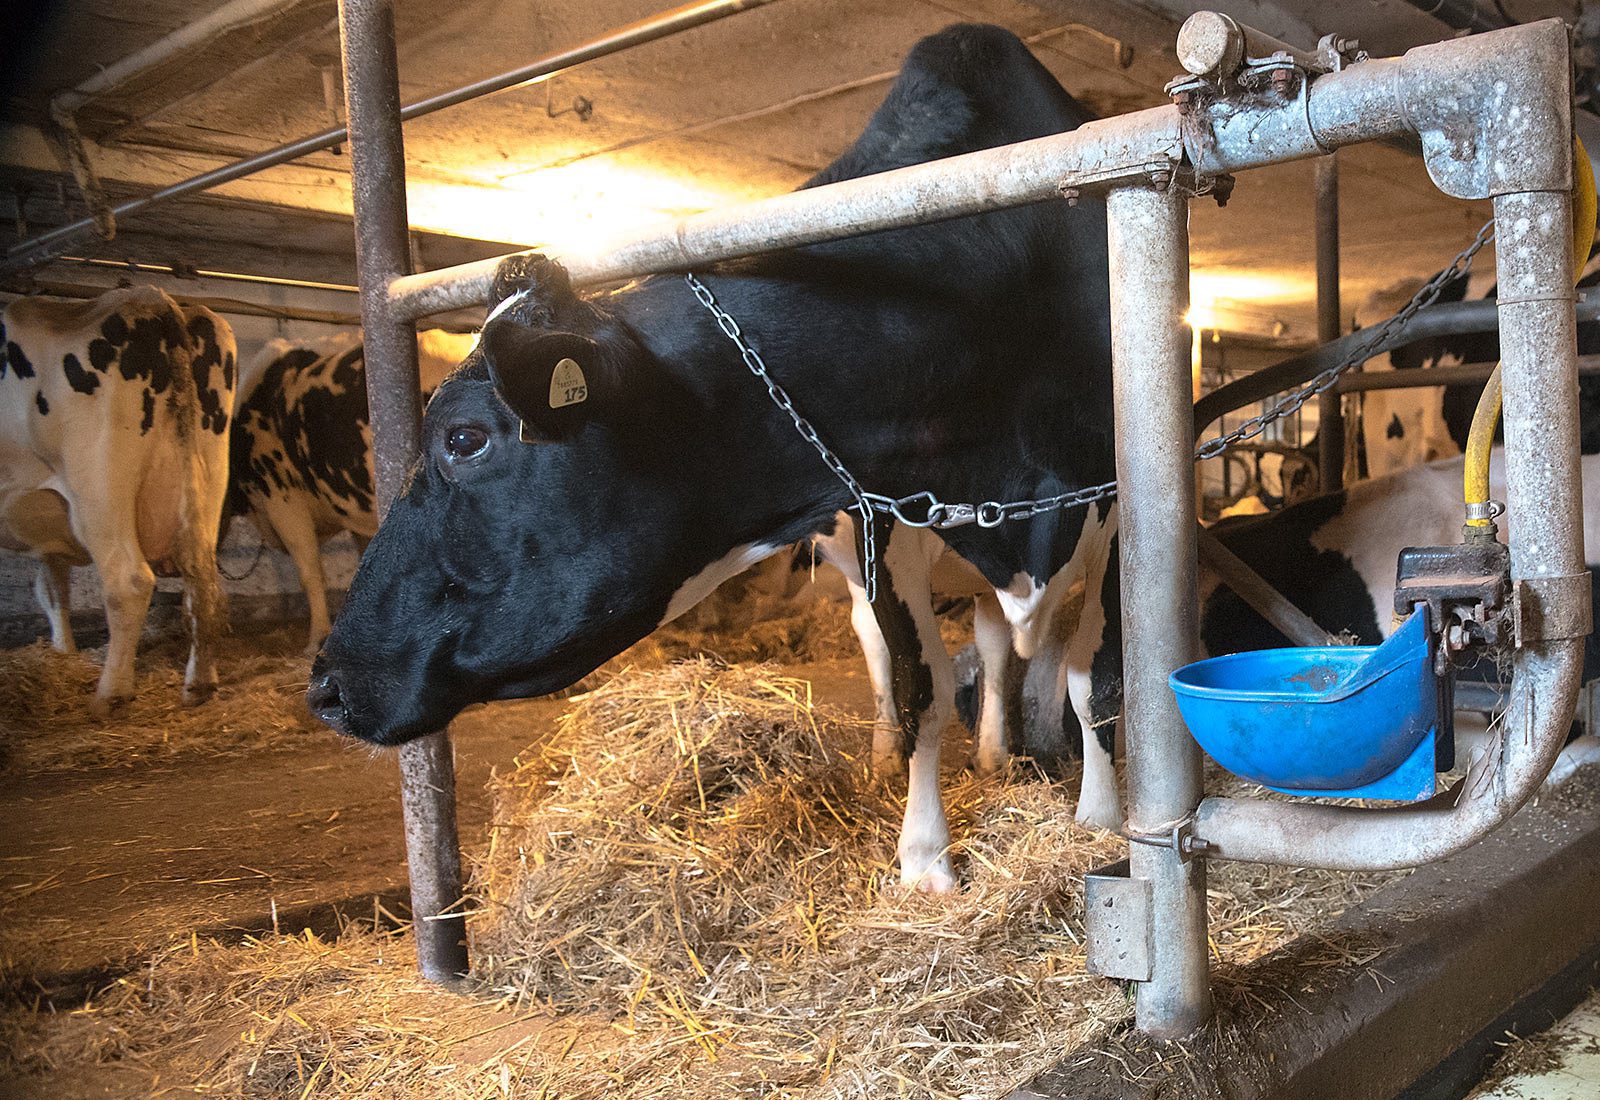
(1333, 556)
(114, 451)
(970, 358)
(301, 456)
(1404, 427)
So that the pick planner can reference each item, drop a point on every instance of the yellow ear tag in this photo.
(568, 386)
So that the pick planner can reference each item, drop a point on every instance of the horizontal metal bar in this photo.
(230, 306)
(1449, 319)
(47, 246)
(990, 179)
(1370, 101)
(1465, 373)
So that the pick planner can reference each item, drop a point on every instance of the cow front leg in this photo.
(991, 751)
(52, 587)
(888, 740)
(924, 686)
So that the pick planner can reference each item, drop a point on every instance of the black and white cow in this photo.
(1404, 427)
(301, 456)
(114, 451)
(541, 532)
(1333, 556)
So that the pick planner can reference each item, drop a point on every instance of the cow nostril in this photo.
(325, 699)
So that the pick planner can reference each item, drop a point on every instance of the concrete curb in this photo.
(1397, 993)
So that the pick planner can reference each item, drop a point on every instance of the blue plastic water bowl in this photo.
(1329, 721)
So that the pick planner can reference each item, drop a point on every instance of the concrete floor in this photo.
(1568, 1062)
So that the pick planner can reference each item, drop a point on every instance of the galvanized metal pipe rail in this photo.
(47, 246)
(383, 251)
(1460, 374)
(1149, 234)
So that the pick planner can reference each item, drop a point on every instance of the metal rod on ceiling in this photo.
(204, 273)
(378, 172)
(229, 306)
(237, 13)
(65, 105)
(48, 245)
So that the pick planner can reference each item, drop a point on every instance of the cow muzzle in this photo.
(326, 701)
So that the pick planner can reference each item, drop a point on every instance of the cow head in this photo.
(570, 484)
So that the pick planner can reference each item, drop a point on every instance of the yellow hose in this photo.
(1480, 440)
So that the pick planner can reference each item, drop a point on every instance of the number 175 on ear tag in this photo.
(568, 386)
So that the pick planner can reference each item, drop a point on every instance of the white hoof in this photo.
(888, 766)
(102, 705)
(1100, 813)
(937, 877)
(987, 763)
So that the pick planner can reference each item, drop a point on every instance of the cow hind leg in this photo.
(924, 696)
(292, 522)
(128, 582)
(52, 587)
(203, 608)
(991, 751)
(1094, 673)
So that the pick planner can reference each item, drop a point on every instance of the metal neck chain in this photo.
(924, 509)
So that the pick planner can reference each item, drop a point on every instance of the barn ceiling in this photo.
(746, 107)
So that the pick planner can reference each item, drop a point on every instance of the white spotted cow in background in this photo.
(114, 451)
(1403, 428)
(301, 462)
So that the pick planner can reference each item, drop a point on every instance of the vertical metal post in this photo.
(1149, 238)
(378, 173)
(1330, 406)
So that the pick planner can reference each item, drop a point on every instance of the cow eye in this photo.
(466, 441)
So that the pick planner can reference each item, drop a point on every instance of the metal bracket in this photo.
(1548, 609)
(1480, 145)
(1159, 172)
(1117, 920)
(1180, 839)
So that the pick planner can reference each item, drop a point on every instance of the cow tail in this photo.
(197, 545)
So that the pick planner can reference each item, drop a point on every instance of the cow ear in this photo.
(543, 282)
(553, 381)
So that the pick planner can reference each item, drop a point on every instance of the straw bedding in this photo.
(689, 889)
(45, 724)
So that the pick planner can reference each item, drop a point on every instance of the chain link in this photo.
(926, 510)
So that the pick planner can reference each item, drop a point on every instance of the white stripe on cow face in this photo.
(703, 583)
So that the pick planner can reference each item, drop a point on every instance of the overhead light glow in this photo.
(1247, 301)
(564, 209)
